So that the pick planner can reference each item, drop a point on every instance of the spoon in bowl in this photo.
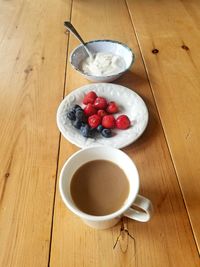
(71, 28)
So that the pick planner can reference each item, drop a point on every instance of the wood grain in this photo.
(32, 69)
(167, 238)
(172, 27)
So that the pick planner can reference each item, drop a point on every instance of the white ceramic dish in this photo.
(129, 103)
(119, 158)
(114, 47)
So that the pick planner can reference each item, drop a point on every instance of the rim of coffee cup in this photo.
(133, 188)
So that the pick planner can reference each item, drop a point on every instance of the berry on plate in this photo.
(108, 121)
(94, 121)
(112, 107)
(100, 128)
(106, 133)
(89, 97)
(76, 107)
(90, 110)
(77, 124)
(101, 112)
(100, 103)
(123, 122)
(71, 115)
(86, 131)
(80, 115)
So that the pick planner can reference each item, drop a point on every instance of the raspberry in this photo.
(101, 112)
(112, 107)
(100, 103)
(94, 121)
(89, 110)
(108, 121)
(123, 122)
(89, 98)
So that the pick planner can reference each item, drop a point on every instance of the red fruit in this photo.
(100, 103)
(123, 122)
(112, 107)
(89, 97)
(94, 121)
(90, 110)
(101, 112)
(108, 121)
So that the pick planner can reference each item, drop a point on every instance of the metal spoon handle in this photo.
(71, 28)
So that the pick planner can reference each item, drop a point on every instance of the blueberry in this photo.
(71, 115)
(106, 133)
(85, 130)
(76, 107)
(92, 132)
(100, 128)
(77, 124)
(80, 115)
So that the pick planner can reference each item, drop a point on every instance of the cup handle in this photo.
(144, 204)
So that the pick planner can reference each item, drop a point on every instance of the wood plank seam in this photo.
(59, 141)
(156, 106)
(163, 240)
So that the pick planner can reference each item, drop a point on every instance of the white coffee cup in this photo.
(127, 165)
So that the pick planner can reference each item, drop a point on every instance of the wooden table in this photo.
(35, 227)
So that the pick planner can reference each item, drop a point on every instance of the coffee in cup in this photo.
(99, 187)
(100, 184)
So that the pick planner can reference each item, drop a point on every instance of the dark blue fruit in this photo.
(106, 133)
(80, 115)
(85, 130)
(71, 115)
(76, 107)
(100, 128)
(77, 124)
(92, 133)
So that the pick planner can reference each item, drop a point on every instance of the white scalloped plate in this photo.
(129, 103)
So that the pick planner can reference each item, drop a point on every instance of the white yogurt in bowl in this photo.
(110, 60)
(103, 64)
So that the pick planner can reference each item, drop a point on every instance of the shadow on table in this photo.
(132, 80)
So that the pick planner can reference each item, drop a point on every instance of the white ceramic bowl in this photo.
(114, 47)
